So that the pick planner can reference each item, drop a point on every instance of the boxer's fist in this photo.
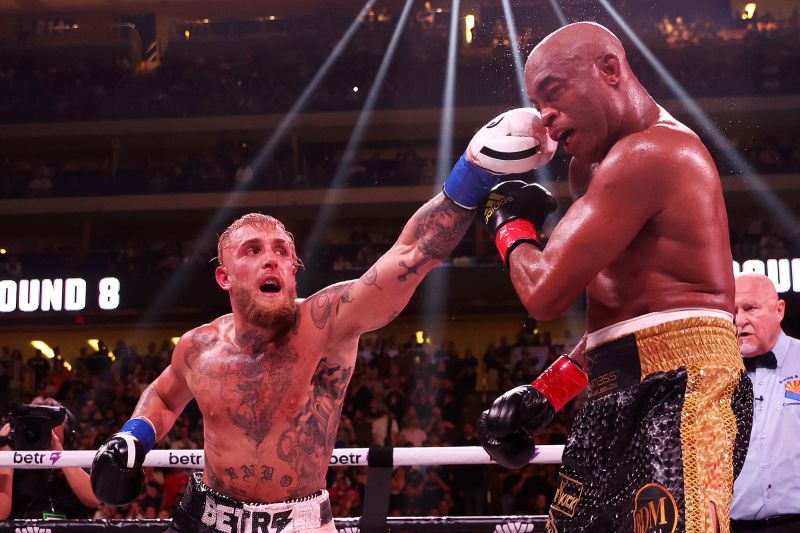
(514, 213)
(512, 143)
(507, 428)
(117, 474)
(522, 410)
(512, 451)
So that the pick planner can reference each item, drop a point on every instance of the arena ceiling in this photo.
(229, 7)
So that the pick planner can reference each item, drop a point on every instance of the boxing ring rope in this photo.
(423, 456)
(379, 462)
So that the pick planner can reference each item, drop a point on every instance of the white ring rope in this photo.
(426, 456)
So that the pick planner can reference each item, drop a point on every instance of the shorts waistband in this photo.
(227, 514)
(698, 342)
(626, 327)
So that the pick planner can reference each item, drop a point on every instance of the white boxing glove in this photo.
(512, 143)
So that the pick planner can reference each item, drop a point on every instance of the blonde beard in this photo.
(277, 317)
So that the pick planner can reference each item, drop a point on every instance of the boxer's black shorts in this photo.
(663, 433)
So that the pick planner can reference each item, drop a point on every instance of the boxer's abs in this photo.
(286, 466)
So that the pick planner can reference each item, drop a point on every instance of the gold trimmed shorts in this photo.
(662, 436)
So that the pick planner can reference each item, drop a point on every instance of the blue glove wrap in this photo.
(468, 184)
(142, 430)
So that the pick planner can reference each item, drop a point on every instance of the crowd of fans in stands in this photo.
(401, 394)
(202, 77)
(229, 167)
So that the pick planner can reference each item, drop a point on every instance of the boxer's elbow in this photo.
(543, 309)
(541, 299)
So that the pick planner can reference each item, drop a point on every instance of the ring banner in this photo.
(195, 459)
(398, 524)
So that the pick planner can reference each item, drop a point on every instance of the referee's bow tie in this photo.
(766, 360)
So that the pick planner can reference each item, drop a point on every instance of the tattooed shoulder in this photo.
(200, 341)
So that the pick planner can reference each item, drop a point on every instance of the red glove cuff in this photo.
(512, 232)
(561, 382)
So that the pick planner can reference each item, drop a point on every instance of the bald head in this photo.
(578, 44)
(756, 283)
(579, 79)
(759, 313)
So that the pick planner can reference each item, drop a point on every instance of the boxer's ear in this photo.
(609, 68)
(221, 275)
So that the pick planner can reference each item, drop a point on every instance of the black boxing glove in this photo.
(514, 212)
(507, 428)
(117, 474)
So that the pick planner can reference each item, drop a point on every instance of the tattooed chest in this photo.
(247, 394)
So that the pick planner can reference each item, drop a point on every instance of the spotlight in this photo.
(749, 11)
(43, 347)
(469, 25)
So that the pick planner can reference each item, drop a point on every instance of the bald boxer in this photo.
(665, 428)
(270, 377)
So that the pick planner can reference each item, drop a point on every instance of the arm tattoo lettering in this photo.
(370, 277)
(327, 302)
(441, 227)
(231, 473)
(310, 439)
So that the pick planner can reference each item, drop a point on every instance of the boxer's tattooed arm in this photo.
(306, 445)
(327, 302)
(410, 269)
(370, 277)
(441, 227)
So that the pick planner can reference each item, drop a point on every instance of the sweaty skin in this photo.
(270, 378)
(648, 230)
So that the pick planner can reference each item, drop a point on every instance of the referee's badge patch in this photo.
(793, 389)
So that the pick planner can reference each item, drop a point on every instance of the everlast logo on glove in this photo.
(655, 510)
(493, 203)
(229, 519)
(568, 495)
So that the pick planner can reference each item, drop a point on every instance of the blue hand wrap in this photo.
(142, 430)
(468, 184)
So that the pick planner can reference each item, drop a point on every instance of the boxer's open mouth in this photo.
(564, 137)
(271, 286)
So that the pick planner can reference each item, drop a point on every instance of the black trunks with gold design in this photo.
(662, 436)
